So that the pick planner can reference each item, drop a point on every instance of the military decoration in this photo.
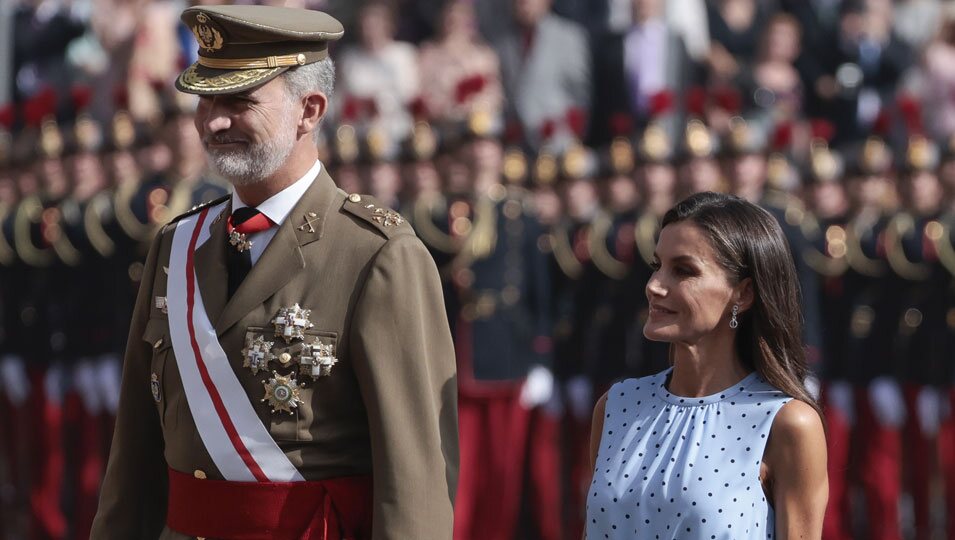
(317, 359)
(154, 386)
(282, 393)
(240, 241)
(291, 322)
(161, 304)
(258, 354)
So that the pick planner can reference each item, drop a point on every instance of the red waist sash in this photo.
(333, 509)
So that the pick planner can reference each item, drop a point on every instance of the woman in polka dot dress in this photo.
(727, 443)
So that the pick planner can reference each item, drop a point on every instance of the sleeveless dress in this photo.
(678, 467)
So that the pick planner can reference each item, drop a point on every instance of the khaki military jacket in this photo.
(388, 408)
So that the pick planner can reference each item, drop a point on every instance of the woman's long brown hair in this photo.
(749, 243)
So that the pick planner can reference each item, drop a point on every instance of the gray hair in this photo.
(308, 79)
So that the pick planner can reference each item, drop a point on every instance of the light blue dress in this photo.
(677, 467)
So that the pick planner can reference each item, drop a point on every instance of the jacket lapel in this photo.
(283, 257)
(210, 265)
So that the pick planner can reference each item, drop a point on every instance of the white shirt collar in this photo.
(278, 206)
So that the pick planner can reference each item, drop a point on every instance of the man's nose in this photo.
(215, 118)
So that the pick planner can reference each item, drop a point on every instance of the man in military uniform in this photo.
(289, 373)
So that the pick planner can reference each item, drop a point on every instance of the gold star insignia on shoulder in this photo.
(282, 393)
(291, 322)
(387, 218)
(258, 354)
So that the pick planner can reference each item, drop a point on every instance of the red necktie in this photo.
(245, 221)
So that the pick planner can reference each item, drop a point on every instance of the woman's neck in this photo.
(703, 369)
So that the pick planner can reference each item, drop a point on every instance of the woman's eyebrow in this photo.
(680, 258)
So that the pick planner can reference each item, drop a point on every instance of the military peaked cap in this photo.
(241, 47)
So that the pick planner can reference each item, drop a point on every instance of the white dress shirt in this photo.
(277, 208)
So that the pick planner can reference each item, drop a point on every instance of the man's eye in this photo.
(655, 265)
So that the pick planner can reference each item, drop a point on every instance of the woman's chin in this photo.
(657, 332)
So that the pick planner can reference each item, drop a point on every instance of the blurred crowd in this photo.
(534, 145)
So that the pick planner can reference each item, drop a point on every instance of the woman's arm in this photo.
(596, 429)
(796, 456)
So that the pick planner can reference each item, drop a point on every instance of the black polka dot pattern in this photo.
(683, 467)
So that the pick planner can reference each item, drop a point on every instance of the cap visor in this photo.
(205, 81)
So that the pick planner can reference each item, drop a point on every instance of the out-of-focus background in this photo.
(534, 145)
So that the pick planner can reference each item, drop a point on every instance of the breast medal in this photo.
(282, 392)
(291, 322)
(258, 354)
(317, 359)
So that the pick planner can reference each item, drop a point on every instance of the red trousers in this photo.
(836, 525)
(946, 446)
(500, 443)
(920, 460)
(46, 467)
(880, 461)
(86, 461)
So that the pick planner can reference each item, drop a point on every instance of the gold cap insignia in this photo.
(208, 37)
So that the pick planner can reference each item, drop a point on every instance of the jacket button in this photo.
(199, 474)
(354, 197)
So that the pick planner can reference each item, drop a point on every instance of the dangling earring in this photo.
(733, 321)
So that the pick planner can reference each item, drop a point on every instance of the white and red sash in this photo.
(236, 439)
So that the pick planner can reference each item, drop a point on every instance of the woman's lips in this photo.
(659, 310)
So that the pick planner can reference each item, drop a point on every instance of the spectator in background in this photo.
(545, 64)
(42, 30)
(862, 71)
(459, 72)
(648, 61)
(381, 70)
(774, 82)
(916, 21)
(735, 27)
(939, 65)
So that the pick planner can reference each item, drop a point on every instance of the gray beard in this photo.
(258, 162)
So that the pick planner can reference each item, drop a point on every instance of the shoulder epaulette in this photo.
(199, 207)
(386, 220)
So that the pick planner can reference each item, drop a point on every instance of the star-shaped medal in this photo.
(258, 354)
(317, 359)
(291, 321)
(282, 393)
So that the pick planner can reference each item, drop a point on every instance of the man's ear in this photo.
(745, 295)
(316, 105)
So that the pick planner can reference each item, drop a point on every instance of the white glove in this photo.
(538, 387)
(887, 402)
(580, 394)
(928, 406)
(84, 380)
(109, 375)
(13, 379)
(812, 385)
(839, 397)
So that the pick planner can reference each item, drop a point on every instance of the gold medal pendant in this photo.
(240, 241)
(282, 393)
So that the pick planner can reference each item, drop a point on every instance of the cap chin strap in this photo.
(299, 59)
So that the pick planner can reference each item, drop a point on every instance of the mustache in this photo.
(221, 138)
